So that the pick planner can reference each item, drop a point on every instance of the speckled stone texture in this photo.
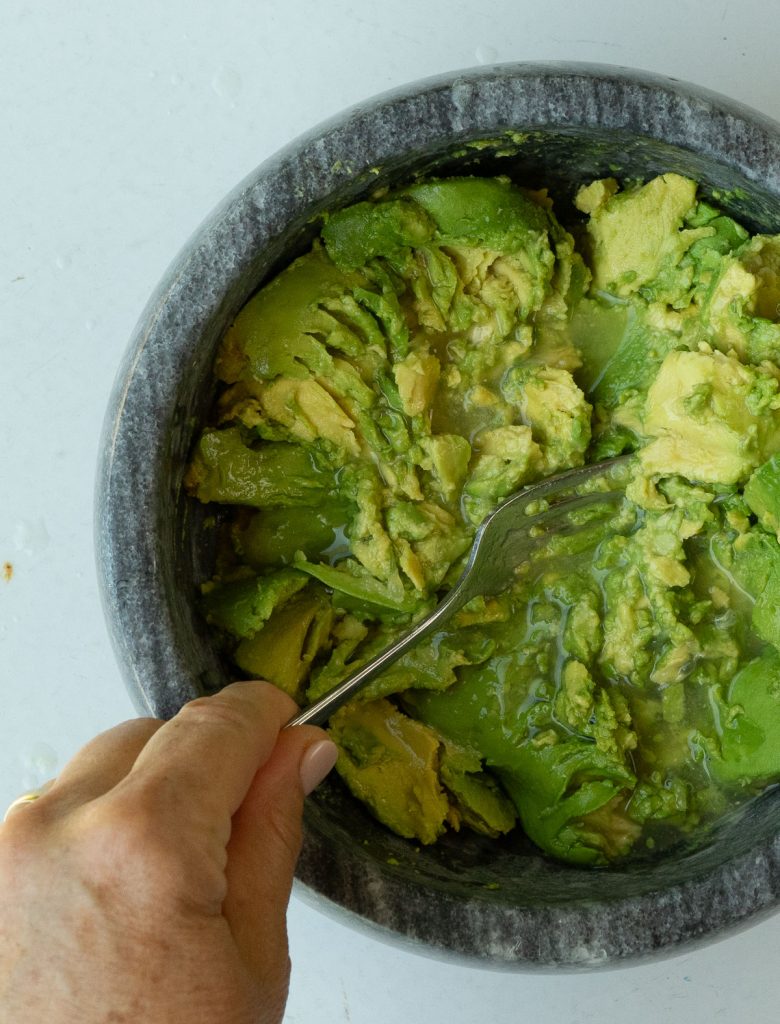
(494, 903)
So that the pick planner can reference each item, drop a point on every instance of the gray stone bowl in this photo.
(492, 903)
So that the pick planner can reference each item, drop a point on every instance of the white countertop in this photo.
(121, 125)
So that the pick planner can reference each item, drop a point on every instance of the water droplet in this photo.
(226, 83)
(62, 262)
(486, 54)
(175, 78)
(90, 325)
(31, 536)
(153, 74)
(39, 764)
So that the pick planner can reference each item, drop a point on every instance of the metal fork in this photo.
(502, 542)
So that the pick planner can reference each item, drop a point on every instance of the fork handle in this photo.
(319, 712)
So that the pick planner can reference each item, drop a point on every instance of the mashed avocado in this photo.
(438, 348)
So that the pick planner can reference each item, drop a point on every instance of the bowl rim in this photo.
(458, 105)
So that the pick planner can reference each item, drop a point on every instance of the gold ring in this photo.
(28, 798)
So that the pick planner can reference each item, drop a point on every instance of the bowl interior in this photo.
(345, 849)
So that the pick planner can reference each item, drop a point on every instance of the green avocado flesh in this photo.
(439, 348)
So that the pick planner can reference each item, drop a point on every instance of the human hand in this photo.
(150, 882)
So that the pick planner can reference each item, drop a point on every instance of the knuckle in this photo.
(236, 707)
(261, 687)
(259, 692)
(210, 712)
(268, 692)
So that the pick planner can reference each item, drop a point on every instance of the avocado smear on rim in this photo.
(440, 347)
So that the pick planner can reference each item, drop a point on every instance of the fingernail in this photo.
(316, 763)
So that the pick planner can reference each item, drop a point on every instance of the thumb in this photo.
(264, 846)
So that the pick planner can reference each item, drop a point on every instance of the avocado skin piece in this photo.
(750, 741)
(762, 493)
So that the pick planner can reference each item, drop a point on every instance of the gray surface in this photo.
(583, 120)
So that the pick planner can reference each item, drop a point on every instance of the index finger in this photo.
(205, 757)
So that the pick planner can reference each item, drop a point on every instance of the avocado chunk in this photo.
(756, 568)
(479, 801)
(503, 459)
(740, 299)
(309, 412)
(449, 456)
(668, 802)
(277, 331)
(428, 540)
(411, 779)
(591, 712)
(285, 646)
(487, 212)
(711, 418)
(750, 739)
(361, 232)
(391, 763)
(553, 406)
(243, 606)
(762, 493)
(638, 239)
(417, 377)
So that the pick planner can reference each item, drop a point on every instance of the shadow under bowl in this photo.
(495, 903)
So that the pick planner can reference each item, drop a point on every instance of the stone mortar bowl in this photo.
(485, 902)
